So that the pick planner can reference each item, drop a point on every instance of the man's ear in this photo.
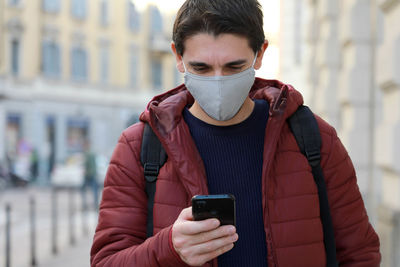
(178, 58)
(260, 55)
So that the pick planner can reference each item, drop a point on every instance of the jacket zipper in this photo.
(276, 122)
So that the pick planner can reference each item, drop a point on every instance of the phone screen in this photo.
(221, 207)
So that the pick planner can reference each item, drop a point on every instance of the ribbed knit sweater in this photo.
(233, 157)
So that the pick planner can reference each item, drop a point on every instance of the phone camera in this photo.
(201, 204)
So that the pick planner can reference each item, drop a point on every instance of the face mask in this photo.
(221, 97)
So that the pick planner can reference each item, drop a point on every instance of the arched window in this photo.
(51, 59)
(104, 12)
(51, 6)
(156, 20)
(133, 17)
(79, 66)
(78, 8)
(157, 73)
(134, 66)
(15, 57)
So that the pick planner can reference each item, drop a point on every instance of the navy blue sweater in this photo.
(233, 159)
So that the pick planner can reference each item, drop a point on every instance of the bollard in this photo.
(54, 222)
(71, 211)
(85, 229)
(32, 220)
(8, 235)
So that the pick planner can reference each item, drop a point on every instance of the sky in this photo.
(271, 9)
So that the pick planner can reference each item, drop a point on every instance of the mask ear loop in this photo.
(254, 61)
(184, 66)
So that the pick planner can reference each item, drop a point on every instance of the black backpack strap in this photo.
(152, 157)
(305, 129)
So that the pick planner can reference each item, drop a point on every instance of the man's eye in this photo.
(236, 67)
(200, 69)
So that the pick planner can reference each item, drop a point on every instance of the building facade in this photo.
(293, 47)
(76, 70)
(354, 78)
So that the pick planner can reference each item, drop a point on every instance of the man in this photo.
(90, 177)
(226, 132)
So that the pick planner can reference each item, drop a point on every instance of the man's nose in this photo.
(219, 72)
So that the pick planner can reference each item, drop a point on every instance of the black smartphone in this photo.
(221, 207)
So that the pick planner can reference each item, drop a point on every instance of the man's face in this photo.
(225, 54)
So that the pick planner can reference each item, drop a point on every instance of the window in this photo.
(77, 133)
(396, 58)
(51, 6)
(51, 59)
(13, 134)
(104, 13)
(104, 64)
(156, 20)
(133, 67)
(156, 72)
(15, 54)
(78, 8)
(133, 17)
(79, 64)
(14, 2)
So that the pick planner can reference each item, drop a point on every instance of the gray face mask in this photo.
(221, 97)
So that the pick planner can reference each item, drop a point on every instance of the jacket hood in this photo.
(164, 111)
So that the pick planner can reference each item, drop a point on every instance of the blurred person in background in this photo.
(225, 131)
(34, 165)
(4, 175)
(90, 176)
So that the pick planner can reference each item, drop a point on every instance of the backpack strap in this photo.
(152, 157)
(305, 129)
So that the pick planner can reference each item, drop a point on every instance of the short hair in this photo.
(241, 17)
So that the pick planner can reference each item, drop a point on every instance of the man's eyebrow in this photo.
(236, 62)
(198, 64)
(232, 63)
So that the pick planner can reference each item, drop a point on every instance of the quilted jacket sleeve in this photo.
(357, 244)
(120, 238)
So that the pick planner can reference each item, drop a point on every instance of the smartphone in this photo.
(221, 207)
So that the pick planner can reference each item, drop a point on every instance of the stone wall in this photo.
(354, 70)
(387, 141)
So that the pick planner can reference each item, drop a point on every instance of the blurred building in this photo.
(72, 70)
(353, 67)
(293, 46)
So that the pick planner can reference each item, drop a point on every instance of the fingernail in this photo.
(215, 223)
(235, 237)
(231, 230)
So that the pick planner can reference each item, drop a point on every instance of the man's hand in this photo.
(198, 242)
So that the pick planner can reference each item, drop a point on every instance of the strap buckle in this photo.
(314, 157)
(151, 171)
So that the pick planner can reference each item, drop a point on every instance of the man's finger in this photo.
(215, 245)
(196, 227)
(186, 214)
(203, 237)
(203, 258)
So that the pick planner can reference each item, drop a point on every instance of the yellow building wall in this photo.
(65, 30)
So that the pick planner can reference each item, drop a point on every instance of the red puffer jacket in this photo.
(290, 199)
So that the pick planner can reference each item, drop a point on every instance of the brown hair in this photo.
(242, 17)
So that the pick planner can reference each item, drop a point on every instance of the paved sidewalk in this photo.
(76, 256)
(71, 222)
